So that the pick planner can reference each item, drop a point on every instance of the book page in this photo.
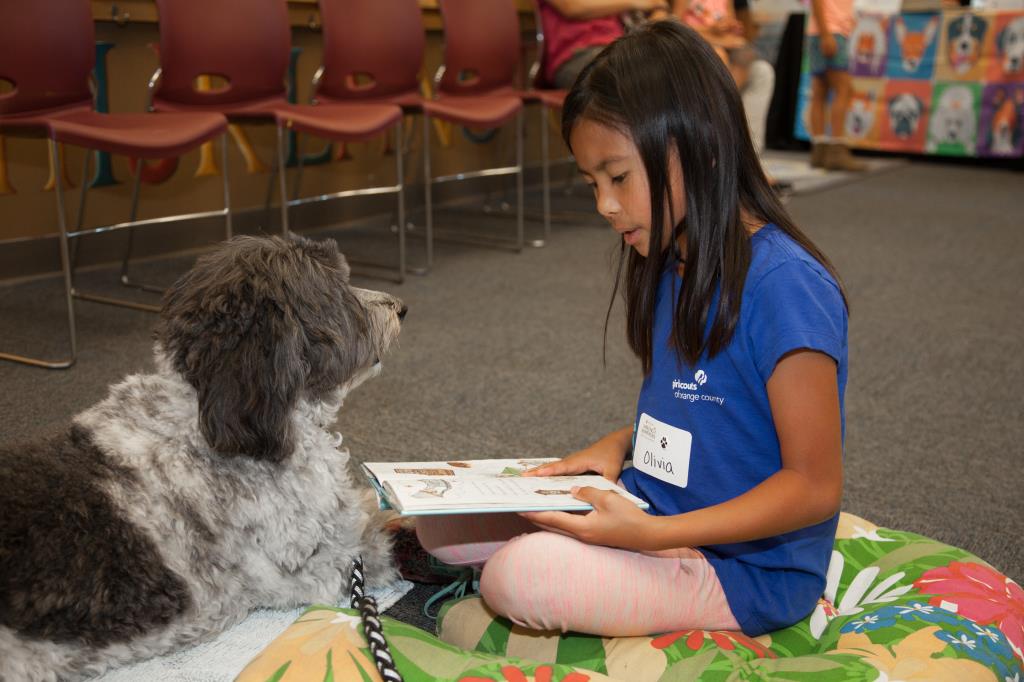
(455, 468)
(496, 493)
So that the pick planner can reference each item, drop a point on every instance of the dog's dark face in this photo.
(263, 322)
(965, 35)
(905, 115)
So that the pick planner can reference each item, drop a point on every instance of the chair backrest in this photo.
(47, 50)
(481, 45)
(245, 42)
(371, 48)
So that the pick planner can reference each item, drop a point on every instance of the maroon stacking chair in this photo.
(548, 98)
(47, 51)
(373, 52)
(247, 43)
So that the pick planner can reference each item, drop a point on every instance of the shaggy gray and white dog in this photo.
(190, 496)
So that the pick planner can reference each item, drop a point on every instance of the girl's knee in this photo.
(519, 581)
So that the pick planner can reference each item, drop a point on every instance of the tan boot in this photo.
(818, 150)
(838, 157)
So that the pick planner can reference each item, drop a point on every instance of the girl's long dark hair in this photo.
(663, 84)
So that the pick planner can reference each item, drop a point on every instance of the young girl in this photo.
(740, 325)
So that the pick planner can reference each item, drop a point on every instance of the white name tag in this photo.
(662, 450)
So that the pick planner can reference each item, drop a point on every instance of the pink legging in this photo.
(546, 581)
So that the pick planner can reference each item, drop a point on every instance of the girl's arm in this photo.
(595, 9)
(804, 396)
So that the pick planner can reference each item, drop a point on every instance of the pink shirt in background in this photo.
(839, 18)
(564, 37)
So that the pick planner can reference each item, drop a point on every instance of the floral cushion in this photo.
(897, 606)
(326, 644)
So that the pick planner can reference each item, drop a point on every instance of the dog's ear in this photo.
(242, 352)
(248, 386)
(1001, 40)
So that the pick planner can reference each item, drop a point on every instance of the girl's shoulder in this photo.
(772, 249)
(783, 273)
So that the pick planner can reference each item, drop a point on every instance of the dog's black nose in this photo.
(402, 312)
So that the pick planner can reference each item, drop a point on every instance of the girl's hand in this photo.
(604, 457)
(614, 521)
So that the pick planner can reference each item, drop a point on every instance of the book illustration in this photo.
(426, 472)
(462, 465)
(552, 492)
(433, 487)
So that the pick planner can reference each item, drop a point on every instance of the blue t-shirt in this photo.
(789, 302)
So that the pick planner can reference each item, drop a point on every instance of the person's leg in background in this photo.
(819, 100)
(565, 75)
(838, 156)
(757, 98)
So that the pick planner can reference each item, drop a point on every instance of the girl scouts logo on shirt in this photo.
(689, 390)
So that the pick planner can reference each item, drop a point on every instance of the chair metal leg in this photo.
(228, 228)
(427, 200)
(373, 269)
(124, 278)
(80, 218)
(300, 155)
(519, 181)
(65, 261)
(545, 170)
(473, 238)
(400, 182)
(269, 197)
(282, 169)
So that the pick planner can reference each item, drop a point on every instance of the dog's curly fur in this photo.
(190, 496)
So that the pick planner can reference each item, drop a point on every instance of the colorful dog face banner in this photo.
(949, 83)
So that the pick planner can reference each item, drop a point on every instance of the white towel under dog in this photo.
(221, 659)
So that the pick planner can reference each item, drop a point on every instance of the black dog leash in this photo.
(367, 607)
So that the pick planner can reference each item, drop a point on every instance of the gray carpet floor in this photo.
(501, 353)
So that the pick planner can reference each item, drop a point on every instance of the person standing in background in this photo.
(829, 26)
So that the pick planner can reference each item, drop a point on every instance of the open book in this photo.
(479, 486)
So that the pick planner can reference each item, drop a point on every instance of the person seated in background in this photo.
(716, 22)
(575, 31)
